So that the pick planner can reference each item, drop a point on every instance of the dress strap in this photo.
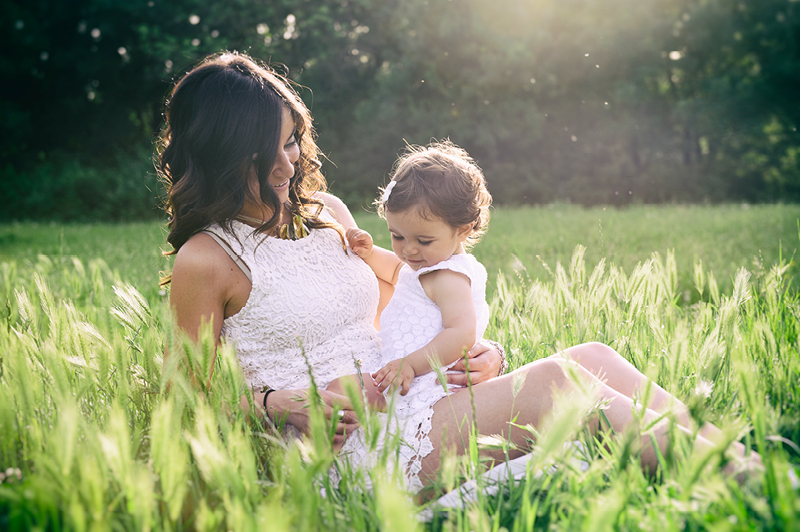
(233, 255)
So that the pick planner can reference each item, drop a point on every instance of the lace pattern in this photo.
(310, 310)
(410, 321)
(310, 313)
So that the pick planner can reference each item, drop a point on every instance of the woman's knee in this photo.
(593, 354)
(546, 373)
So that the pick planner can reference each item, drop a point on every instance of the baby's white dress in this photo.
(409, 322)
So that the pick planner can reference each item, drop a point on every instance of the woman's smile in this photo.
(282, 185)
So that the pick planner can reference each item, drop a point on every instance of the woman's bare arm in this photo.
(203, 285)
(338, 209)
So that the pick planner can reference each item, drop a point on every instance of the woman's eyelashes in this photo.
(292, 141)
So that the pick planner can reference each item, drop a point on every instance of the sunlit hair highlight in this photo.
(440, 181)
(223, 120)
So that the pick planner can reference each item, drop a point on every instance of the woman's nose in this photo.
(284, 166)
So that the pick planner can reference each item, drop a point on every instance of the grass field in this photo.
(724, 238)
(90, 439)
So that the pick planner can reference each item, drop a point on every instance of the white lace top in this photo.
(312, 306)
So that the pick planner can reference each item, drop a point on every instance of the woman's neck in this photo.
(257, 215)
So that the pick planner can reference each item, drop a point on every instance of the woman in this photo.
(242, 170)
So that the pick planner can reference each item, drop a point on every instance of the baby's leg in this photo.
(374, 398)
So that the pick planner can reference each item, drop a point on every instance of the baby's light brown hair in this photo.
(442, 181)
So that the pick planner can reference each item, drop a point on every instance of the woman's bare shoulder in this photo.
(206, 281)
(201, 258)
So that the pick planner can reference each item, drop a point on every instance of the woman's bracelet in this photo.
(503, 359)
(267, 391)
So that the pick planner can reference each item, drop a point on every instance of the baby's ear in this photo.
(464, 231)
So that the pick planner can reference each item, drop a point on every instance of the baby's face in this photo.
(420, 242)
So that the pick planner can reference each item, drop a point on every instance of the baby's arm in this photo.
(383, 262)
(452, 294)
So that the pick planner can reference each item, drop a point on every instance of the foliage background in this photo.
(615, 102)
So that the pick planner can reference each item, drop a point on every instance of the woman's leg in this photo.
(496, 406)
(610, 367)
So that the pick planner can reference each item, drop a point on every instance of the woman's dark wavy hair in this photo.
(222, 112)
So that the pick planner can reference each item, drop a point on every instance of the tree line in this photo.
(615, 102)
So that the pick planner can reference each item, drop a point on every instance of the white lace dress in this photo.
(310, 311)
(409, 322)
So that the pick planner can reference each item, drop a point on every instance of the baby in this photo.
(436, 206)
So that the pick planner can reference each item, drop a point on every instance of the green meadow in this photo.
(703, 299)
(528, 240)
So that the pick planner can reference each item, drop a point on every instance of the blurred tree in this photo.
(84, 82)
(570, 100)
(595, 102)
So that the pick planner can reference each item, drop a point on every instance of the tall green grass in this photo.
(92, 438)
(131, 251)
(725, 238)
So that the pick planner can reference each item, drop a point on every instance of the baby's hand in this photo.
(397, 373)
(359, 241)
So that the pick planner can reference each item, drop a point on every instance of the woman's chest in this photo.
(308, 291)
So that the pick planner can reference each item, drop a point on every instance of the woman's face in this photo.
(283, 169)
(288, 154)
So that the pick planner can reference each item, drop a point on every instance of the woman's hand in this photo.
(484, 363)
(369, 392)
(294, 405)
